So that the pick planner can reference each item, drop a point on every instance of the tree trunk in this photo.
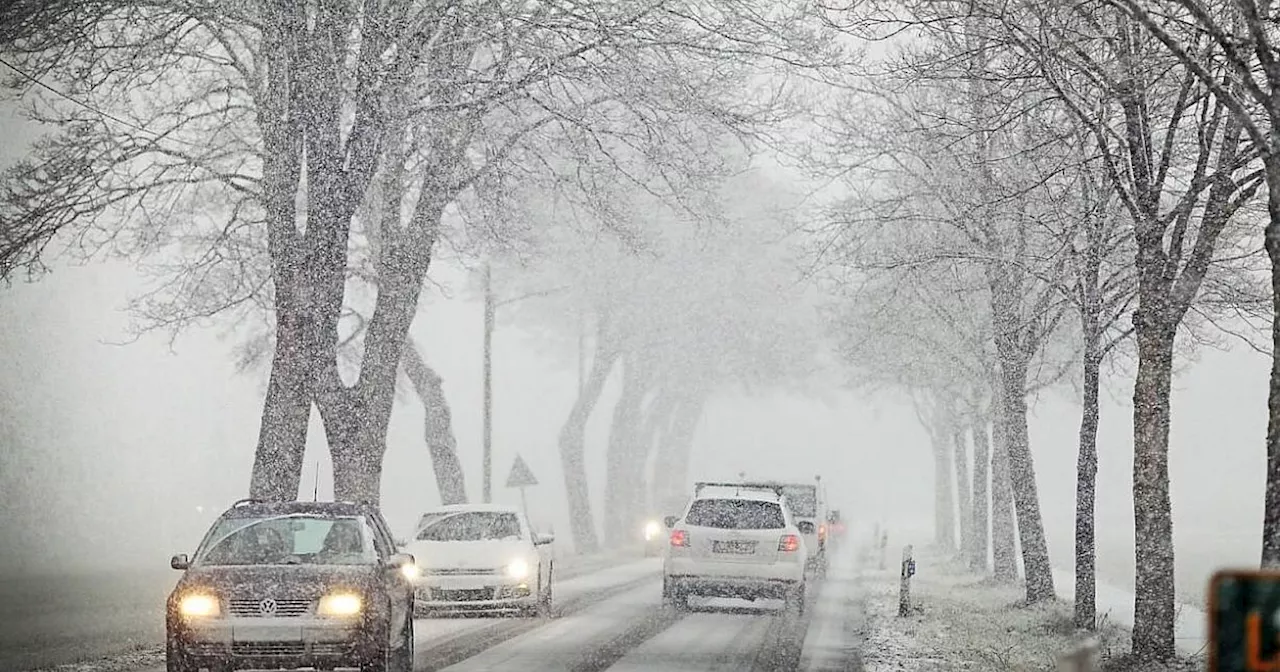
(964, 489)
(1086, 486)
(573, 448)
(286, 412)
(944, 507)
(359, 442)
(1271, 503)
(620, 465)
(981, 493)
(1153, 606)
(1022, 479)
(671, 472)
(654, 428)
(437, 427)
(1003, 525)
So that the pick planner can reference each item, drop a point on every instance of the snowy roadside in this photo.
(963, 622)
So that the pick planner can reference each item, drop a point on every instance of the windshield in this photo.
(803, 500)
(471, 526)
(289, 540)
(736, 514)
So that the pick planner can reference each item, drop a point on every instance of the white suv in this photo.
(735, 541)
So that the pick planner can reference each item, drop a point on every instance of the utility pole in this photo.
(489, 308)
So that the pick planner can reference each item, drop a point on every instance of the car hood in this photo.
(301, 581)
(468, 554)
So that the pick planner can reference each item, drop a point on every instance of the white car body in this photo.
(481, 574)
(759, 554)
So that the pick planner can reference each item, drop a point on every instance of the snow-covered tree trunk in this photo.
(1086, 485)
(624, 449)
(437, 426)
(1271, 502)
(981, 492)
(964, 487)
(573, 442)
(944, 507)
(1003, 526)
(1022, 480)
(671, 471)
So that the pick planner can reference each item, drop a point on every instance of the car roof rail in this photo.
(248, 500)
(697, 487)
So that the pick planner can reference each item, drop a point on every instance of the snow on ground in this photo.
(965, 622)
(1116, 605)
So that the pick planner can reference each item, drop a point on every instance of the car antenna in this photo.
(315, 490)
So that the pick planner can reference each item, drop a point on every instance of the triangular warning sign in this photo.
(521, 475)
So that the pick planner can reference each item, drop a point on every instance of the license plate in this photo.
(738, 547)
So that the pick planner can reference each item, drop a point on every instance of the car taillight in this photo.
(822, 531)
(789, 543)
(679, 538)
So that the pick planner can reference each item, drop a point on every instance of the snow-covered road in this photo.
(614, 620)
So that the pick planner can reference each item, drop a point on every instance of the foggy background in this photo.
(111, 451)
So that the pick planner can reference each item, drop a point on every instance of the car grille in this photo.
(254, 607)
(471, 595)
(268, 648)
(460, 571)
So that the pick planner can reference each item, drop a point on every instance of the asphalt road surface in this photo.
(613, 619)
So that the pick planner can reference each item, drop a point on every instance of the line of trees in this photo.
(1048, 187)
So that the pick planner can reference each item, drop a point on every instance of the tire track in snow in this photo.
(436, 653)
(587, 641)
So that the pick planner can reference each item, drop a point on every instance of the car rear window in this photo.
(736, 514)
(803, 500)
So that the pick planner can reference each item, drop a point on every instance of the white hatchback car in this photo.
(481, 557)
(735, 541)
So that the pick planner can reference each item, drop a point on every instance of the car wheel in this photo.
(395, 658)
(544, 592)
(175, 659)
(795, 600)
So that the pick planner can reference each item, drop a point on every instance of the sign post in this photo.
(521, 477)
(904, 587)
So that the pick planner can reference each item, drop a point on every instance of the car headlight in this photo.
(410, 571)
(340, 604)
(198, 605)
(652, 530)
(518, 569)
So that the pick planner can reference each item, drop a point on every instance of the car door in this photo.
(397, 586)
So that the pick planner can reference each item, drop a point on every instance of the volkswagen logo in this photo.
(267, 607)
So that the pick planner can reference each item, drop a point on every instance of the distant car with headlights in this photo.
(482, 557)
(735, 541)
(286, 585)
(655, 537)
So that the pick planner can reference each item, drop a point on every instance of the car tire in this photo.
(398, 658)
(795, 600)
(175, 659)
(543, 607)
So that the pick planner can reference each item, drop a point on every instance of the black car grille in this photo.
(269, 607)
(268, 649)
(471, 595)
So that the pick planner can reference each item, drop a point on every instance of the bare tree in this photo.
(1153, 120)
(295, 104)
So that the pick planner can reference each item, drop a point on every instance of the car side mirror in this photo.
(400, 560)
(670, 521)
(543, 539)
(180, 561)
(805, 527)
